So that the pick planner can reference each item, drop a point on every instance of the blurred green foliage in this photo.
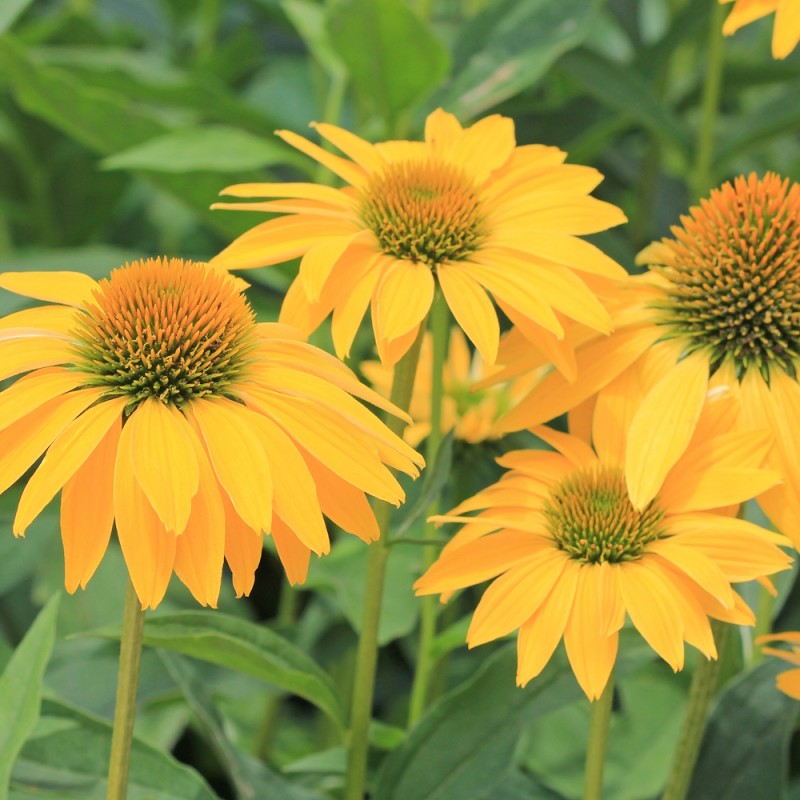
(119, 123)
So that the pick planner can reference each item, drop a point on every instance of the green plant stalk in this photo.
(377, 555)
(764, 611)
(701, 694)
(702, 178)
(332, 111)
(440, 331)
(287, 612)
(130, 656)
(599, 724)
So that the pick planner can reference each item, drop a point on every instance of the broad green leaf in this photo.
(509, 47)
(623, 90)
(10, 10)
(343, 571)
(214, 148)
(21, 688)
(745, 750)
(519, 786)
(393, 57)
(310, 20)
(465, 744)
(251, 777)
(242, 646)
(67, 757)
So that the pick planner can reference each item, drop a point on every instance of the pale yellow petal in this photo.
(34, 390)
(67, 288)
(402, 298)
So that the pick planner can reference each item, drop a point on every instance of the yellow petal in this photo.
(346, 170)
(67, 288)
(616, 407)
(746, 12)
(472, 309)
(23, 355)
(294, 555)
(73, 446)
(347, 314)
(308, 191)
(485, 146)
(442, 131)
(576, 216)
(243, 548)
(697, 565)
(147, 546)
(238, 459)
(60, 320)
(402, 298)
(786, 33)
(571, 447)
(319, 261)
(87, 511)
(34, 390)
(663, 427)
(164, 461)
(354, 147)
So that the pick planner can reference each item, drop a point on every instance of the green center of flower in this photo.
(591, 519)
(424, 211)
(734, 273)
(173, 330)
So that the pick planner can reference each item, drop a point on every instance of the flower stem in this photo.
(764, 612)
(130, 656)
(599, 724)
(440, 330)
(704, 685)
(702, 178)
(377, 555)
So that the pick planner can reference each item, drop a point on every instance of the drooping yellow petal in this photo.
(67, 288)
(200, 549)
(787, 29)
(164, 461)
(745, 12)
(591, 652)
(319, 261)
(87, 511)
(238, 459)
(147, 546)
(402, 298)
(347, 314)
(617, 404)
(24, 441)
(697, 565)
(472, 309)
(663, 426)
(294, 555)
(243, 548)
(71, 448)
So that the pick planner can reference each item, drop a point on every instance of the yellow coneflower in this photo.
(786, 33)
(469, 412)
(466, 209)
(161, 406)
(788, 682)
(574, 555)
(721, 308)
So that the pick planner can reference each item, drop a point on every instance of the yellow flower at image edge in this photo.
(162, 406)
(466, 209)
(786, 33)
(574, 556)
(788, 682)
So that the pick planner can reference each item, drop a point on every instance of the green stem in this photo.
(702, 178)
(764, 611)
(331, 112)
(377, 555)
(440, 330)
(599, 724)
(287, 613)
(130, 656)
(701, 694)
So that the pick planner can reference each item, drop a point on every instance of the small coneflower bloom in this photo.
(719, 307)
(163, 408)
(465, 209)
(471, 413)
(788, 682)
(570, 556)
(786, 32)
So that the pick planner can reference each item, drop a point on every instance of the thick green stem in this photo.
(702, 177)
(701, 694)
(440, 330)
(130, 656)
(599, 724)
(377, 555)
(764, 612)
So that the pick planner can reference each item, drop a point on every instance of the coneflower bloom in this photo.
(720, 307)
(570, 556)
(465, 209)
(788, 682)
(471, 413)
(785, 34)
(161, 406)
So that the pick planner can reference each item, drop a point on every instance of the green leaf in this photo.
(509, 47)
(242, 646)
(310, 20)
(213, 148)
(465, 744)
(10, 11)
(745, 750)
(67, 757)
(21, 688)
(251, 777)
(394, 58)
(625, 91)
(343, 571)
(518, 786)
